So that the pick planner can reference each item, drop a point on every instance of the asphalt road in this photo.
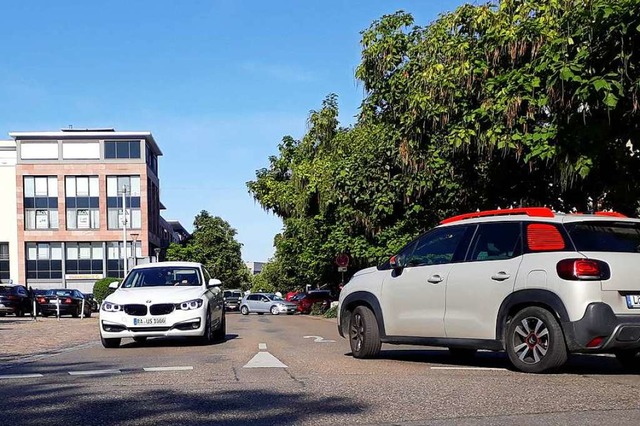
(297, 370)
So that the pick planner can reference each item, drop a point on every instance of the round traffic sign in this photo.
(342, 260)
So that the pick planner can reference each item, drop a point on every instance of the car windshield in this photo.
(276, 298)
(59, 293)
(166, 276)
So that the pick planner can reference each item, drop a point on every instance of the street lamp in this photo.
(157, 250)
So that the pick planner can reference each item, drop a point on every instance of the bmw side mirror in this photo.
(114, 285)
(214, 282)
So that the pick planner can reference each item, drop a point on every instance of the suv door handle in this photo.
(500, 276)
(435, 279)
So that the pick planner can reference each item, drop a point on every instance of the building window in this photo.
(4, 262)
(44, 261)
(83, 202)
(84, 258)
(121, 149)
(40, 202)
(133, 214)
(115, 264)
(152, 159)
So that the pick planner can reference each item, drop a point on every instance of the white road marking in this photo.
(470, 368)
(264, 360)
(178, 368)
(262, 346)
(93, 372)
(20, 376)
(319, 339)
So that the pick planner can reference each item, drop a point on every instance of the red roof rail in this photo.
(610, 214)
(529, 211)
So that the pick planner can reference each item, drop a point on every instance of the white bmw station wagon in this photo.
(164, 299)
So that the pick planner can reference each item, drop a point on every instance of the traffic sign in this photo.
(342, 260)
(342, 269)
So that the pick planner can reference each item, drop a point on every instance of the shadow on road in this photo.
(580, 364)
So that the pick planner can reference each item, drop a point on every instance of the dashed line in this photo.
(262, 346)
(20, 376)
(93, 372)
(168, 368)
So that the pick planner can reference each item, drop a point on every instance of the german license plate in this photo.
(633, 301)
(149, 321)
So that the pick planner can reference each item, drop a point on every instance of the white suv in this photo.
(531, 282)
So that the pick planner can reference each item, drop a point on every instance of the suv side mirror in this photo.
(114, 285)
(214, 282)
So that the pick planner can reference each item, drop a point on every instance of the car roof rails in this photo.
(529, 211)
(610, 214)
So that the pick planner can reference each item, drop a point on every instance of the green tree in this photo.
(213, 244)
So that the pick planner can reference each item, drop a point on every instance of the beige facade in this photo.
(68, 188)
(8, 223)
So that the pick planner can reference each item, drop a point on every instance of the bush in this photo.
(331, 312)
(101, 288)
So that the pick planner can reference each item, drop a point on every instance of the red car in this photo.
(322, 297)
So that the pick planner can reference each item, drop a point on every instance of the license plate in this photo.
(633, 301)
(54, 301)
(1, 305)
(149, 321)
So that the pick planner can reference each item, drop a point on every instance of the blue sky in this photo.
(219, 83)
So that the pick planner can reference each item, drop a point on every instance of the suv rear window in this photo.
(605, 236)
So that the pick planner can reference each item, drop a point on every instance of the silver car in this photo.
(266, 302)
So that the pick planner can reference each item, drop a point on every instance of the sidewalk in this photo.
(24, 338)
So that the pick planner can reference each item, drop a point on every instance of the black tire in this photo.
(19, 312)
(77, 312)
(45, 314)
(534, 341)
(220, 334)
(207, 334)
(364, 335)
(110, 343)
(140, 339)
(275, 310)
(629, 359)
(244, 310)
(462, 354)
(88, 314)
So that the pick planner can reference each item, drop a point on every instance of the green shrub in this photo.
(331, 312)
(101, 288)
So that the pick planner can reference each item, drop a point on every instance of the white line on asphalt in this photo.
(20, 376)
(262, 346)
(264, 360)
(319, 339)
(93, 372)
(178, 368)
(470, 368)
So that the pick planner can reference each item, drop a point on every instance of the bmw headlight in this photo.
(190, 304)
(111, 307)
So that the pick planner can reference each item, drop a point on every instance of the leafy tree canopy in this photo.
(213, 244)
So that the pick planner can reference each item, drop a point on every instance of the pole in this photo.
(35, 310)
(58, 307)
(124, 229)
(82, 313)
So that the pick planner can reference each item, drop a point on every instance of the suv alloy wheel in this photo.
(364, 335)
(534, 341)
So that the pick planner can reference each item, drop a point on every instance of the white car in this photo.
(164, 299)
(534, 283)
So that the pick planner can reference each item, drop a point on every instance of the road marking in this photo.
(264, 360)
(20, 376)
(470, 368)
(177, 368)
(93, 372)
(262, 346)
(319, 339)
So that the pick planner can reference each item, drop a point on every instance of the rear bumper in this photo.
(618, 332)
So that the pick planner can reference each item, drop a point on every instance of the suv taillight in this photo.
(582, 269)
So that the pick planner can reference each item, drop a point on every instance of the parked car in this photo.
(323, 298)
(92, 301)
(14, 299)
(290, 295)
(531, 282)
(63, 301)
(266, 302)
(232, 299)
(164, 299)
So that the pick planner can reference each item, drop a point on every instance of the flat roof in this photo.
(89, 133)
(7, 145)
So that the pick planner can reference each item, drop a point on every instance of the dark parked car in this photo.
(92, 301)
(69, 301)
(14, 299)
(323, 298)
(232, 299)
